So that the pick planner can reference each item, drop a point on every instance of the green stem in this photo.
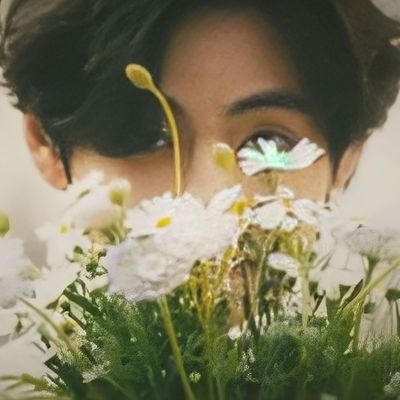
(129, 395)
(368, 288)
(305, 291)
(359, 312)
(221, 392)
(175, 348)
(60, 333)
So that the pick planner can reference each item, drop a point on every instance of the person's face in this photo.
(228, 80)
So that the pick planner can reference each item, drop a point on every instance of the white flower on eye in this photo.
(24, 355)
(16, 272)
(268, 157)
(284, 212)
(379, 245)
(285, 263)
(61, 242)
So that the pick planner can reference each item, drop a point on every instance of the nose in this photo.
(203, 177)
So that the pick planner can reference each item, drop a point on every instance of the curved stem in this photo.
(368, 288)
(60, 333)
(175, 138)
(175, 348)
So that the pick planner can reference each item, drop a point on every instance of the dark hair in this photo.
(64, 61)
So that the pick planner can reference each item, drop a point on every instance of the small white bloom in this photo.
(95, 210)
(61, 242)
(15, 272)
(284, 212)
(343, 269)
(83, 186)
(374, 244)
(52, 284)
(95, 204)
(235, 333)
(270, 216)
(285, 263)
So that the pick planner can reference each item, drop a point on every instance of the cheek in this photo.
(314, 183)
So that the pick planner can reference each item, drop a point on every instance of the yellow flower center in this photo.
(224, 157)
(63, 229)
(240, 206)
(163, 222)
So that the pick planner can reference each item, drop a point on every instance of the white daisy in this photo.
(52, 284)
(380, 245)
(342, 269)
(83, 186)
(16, 272)
(181, 226)
(95, 204)
(284, 212)
(138, 271)
(168, 236)
(95, 210)
(61, 242)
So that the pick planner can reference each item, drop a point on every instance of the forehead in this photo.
(225, 55)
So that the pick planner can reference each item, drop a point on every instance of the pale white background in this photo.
(29, 201)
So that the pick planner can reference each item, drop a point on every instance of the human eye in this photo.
(159, 138)
(283, 142)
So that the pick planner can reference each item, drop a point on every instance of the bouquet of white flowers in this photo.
(178, 298)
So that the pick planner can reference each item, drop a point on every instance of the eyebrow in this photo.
(269, 99)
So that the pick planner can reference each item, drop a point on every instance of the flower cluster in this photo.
(221, 281)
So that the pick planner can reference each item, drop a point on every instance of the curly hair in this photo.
(63, 60)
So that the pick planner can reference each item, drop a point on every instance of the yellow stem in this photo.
(175, 139)
(169, 327)
(142, 79)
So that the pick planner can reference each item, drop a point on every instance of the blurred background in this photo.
(29, 201)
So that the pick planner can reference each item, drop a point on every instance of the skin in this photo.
(217, 64)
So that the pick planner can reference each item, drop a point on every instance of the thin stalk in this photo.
(175, 139)
(129, 395)
(142, 79)
(305, 292)
(175, 348)
(358, 316)
(364, 292)
(60, 333)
